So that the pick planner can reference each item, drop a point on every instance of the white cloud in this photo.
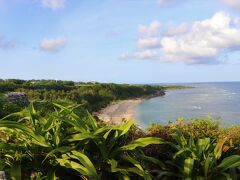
(232, 3)
(54, 4)
(181, 29)
(150, 42)
(52, 45)
(204, 42)
(150, 30)
(147, 35)
(143, 55)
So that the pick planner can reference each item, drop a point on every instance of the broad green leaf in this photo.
(101, 130)
(133, 161)
(144, 173)
(188, 167)
(142, 142)
(207, 165)
(86, 162)
(105, 136)
(92, 121)
(180, 138)
(125, 127)
(182, 151)
(63, 149)
(114, 167)
(73, 165)
(38, 139)
(49, 124)
(229, 162)
(81, 137)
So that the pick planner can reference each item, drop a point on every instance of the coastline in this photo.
(119, 110)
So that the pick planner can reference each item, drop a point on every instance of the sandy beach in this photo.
(119, 110)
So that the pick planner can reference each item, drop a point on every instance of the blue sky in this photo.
(122, 41)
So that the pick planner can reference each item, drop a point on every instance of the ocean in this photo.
(218, 100)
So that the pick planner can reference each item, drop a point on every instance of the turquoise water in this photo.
(219, 100)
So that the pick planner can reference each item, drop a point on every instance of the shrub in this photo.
(38, 147)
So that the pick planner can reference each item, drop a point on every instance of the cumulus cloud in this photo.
(147, 43)
(150, 42)
(54, 4)
(151, 30)
(181, 29)
(148, 35)
(52, 45)
(143, 55)
(204, 42)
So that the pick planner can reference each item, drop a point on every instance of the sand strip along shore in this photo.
(119, 110)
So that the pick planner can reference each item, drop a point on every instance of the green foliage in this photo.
(202, 158)
(93, 96)
(65, 143)
(196, 128)
(8, 108)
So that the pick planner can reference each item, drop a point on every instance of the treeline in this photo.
(93, 96)
(13, 84)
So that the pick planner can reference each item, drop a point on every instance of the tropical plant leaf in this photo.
(63, 149)
(115, 169)
(229, 162)
(92, 121)
(125, 127)
(188, 167)
(219, 148)
(85, 167)
(142, 142)
(207, 165)
(38, 139)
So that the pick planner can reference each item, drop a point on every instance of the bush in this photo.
(67, 146)
(68, 143)
(197, 128)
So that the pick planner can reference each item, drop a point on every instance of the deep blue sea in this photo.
(219, 100)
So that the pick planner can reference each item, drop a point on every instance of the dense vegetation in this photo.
(55, 137)
(70, 144)
(92, 96)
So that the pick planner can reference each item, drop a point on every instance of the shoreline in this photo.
(119, 110)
